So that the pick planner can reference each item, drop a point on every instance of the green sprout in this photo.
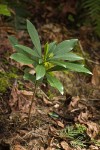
(54, 57)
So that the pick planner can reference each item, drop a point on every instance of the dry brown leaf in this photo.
(83, 117)
(14, 101)
(74, 103)
(96, 76)
(20, 101)
(92, 130)
(65, 146)
(53, 145)
(41, 148)
(56, 106)
(53, 130)
(92, 147)
(18, 147)
(51, 148)
(27, 93)
(60, 124)
(47, 102)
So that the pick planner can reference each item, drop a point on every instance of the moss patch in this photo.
(6, 80)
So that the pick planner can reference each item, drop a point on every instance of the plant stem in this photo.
(30, 108)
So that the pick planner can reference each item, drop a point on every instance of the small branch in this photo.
(30, 108)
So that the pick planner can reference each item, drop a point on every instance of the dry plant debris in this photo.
(84, 109)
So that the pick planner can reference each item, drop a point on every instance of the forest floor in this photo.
(68, 122)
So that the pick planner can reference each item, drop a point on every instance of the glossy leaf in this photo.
(28, 76)
(40, 72)
(27, 49)
(53, 115)
(36, 53)
(54, 82)
(56, 68)
(51, 47)
(19, 57)
(77, 68)
(67, 56)
(65, 46)
(46, 46)
(34, 36)
(72, 66)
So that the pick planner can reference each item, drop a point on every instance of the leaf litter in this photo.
(81, 106)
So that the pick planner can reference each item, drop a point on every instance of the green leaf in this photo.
(51, 47)
(77, 68)
(65, 46)
(72, 66)
(27, 49)
(67, 56)
(40, 72)
(28, 76)
(36, 53)
(53, 115)
(4, 10)
(59, 63)
(34, 37)
(19, 57)
(46, 46)
(54, 82)
(56, 68)
(14, 42)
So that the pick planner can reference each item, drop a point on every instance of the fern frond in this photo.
(92, 10)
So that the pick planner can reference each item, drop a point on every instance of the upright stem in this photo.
(30, 108)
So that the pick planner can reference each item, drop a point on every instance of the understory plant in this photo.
(54, 57)
(91, 13)
(76, 135)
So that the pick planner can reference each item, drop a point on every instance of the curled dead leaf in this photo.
(60, 124)
(18, 147)
(92, 147)
(46, 101)
(92, 130)
(53, 130)
(74, 103)
(96, 76)
(56, 106)
(83, 117)
(27, 93)
(65, 145)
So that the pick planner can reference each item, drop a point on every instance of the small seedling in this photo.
(54, 57)
(76, 134)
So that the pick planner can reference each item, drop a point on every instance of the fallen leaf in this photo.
(14, 100)
(50, 148)
(92, 147)
(56, 106)
(83, 117)
(47, 102)
(20, 100)
(60, 124)
(53, 130)
(65, 146)
(41, 148)
(74, 103)
(96, 76)
(92, 130)
(27, 93)
(18, 147)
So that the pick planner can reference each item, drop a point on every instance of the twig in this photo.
(81, 48)
(30, 108)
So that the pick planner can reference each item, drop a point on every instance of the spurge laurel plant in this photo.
(55, 57)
